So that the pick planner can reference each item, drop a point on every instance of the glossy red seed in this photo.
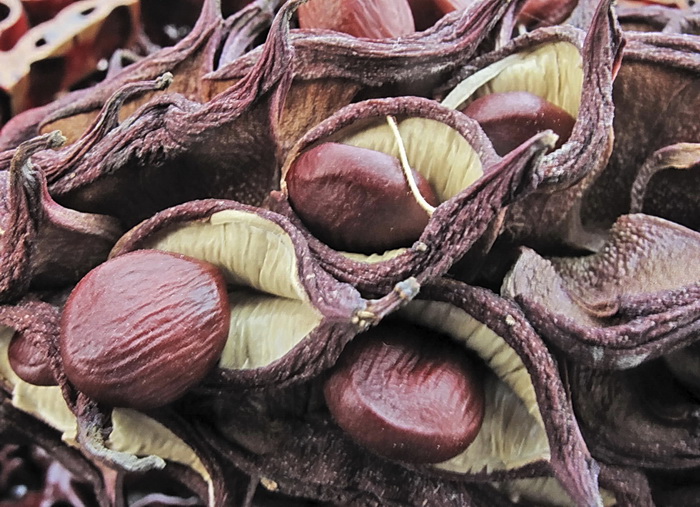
(356, 199)
(407, 394)
(511, 118)
(29, 362)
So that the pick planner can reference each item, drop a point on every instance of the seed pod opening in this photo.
(512, 433)
(574, 71)
(132, 432)
(552, 70)
(276, 289)
(446, 148)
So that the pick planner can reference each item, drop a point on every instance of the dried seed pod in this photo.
(330, 70)
(277, 290)
(74, 112)
(131, 432)
(574, 71)
(652, 142)
(47, 245)
(455, 158)
(180, 172)
(633, 301)
(140, 330)
(350, 198)
(657, 428)
(528, 426)
(666, 17)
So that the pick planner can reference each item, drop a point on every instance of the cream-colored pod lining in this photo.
(264, 328)
(552, 71)
(133, 432)
(512, 434)
(249, 250)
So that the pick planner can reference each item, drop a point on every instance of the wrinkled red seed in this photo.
(357, 199)
(29, 362)
(407, 394)
(376, 19)
(511, 118)
(141, 329)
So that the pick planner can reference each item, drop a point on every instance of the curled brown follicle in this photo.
(406, 394)
(677, 156)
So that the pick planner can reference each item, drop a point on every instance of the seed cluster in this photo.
(310, 252)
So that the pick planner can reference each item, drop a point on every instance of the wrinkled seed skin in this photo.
(29, 363)
(141, 329)
(356, 199)
(511, 118)
(406, 394)
(378, 19)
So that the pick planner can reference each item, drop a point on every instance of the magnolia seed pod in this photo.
(446, 148)
(332, 70)
(528, 425)
(142, 329)
(658, 428)
(277, 290)
(47, 245)
(74, 112)
(573, 70)
(41, 413)
(652, 64)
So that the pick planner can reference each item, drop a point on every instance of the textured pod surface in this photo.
(653, 64)
(406, 394)
(633, 301)
(277, 290)
(573, 70)
(457, 160)
(142, 329)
